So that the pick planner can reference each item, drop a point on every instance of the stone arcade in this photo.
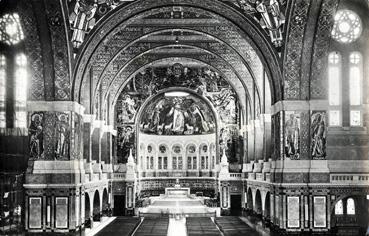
(257, 108)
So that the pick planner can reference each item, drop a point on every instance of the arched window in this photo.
(10, 29)
(2, 90)
(11, 59)
(338, 208)
(21, 90)
(356, 76)
(160, 162)
(334, 88)
(350, 206)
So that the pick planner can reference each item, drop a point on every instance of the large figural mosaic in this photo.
(168, 114)
(174, 115)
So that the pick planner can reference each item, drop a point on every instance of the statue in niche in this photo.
(292, 135)
(62, 136)
(318, 135)
(35, 130)
(82, 20)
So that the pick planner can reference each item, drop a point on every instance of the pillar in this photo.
(53, 177)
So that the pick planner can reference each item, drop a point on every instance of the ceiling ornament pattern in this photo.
(219, 49)
(266, 51)
(60, 51)
(294, 50)
(271, 16)
(318, 81)
(84, 14)
(36, 90)
(115, 48)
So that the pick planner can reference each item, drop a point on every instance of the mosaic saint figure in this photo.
(318, 132)
(128, 109)
(62, 134)
(178, 119)
(36, 136)
(292, 136)
(82, 20)
(272, 19)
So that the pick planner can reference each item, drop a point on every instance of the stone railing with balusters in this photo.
(350, 179)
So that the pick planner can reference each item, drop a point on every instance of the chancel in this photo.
(184, 117)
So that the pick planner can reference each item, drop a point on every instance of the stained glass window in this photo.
(10, 29)
(347, 26)
(21, 80)
(2, 90)
(355, 118)
(338, 208)
(334, 78)
(21, 119)
(334, 118)
(350, 206)
(355, 78)
(2, 80)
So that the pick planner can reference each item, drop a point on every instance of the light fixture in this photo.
(176, 94)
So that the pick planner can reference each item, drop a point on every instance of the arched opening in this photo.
(87, 211)
(171, 115)
(250, 204)
(258, 203)
(267, 207)
(350, 215)
(96, 214)
(105, 203)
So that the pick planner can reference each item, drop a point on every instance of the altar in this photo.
(177, 191)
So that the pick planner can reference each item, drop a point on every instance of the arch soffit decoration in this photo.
(264, 49)
(215, 63)
(243, 71)
(233, 59)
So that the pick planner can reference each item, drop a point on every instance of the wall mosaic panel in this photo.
(125, 141)
(318, 134)
(177, 116)
(292, 131)
(36, 137)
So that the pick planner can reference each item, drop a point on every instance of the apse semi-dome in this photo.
(177, 113)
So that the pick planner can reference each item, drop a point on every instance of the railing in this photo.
(350, 178)
(172, 215)
(259, 176)
(235, 175)
(95, 177)
(119, 175)
(251, 176)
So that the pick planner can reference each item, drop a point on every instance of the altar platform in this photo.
(178, 202)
